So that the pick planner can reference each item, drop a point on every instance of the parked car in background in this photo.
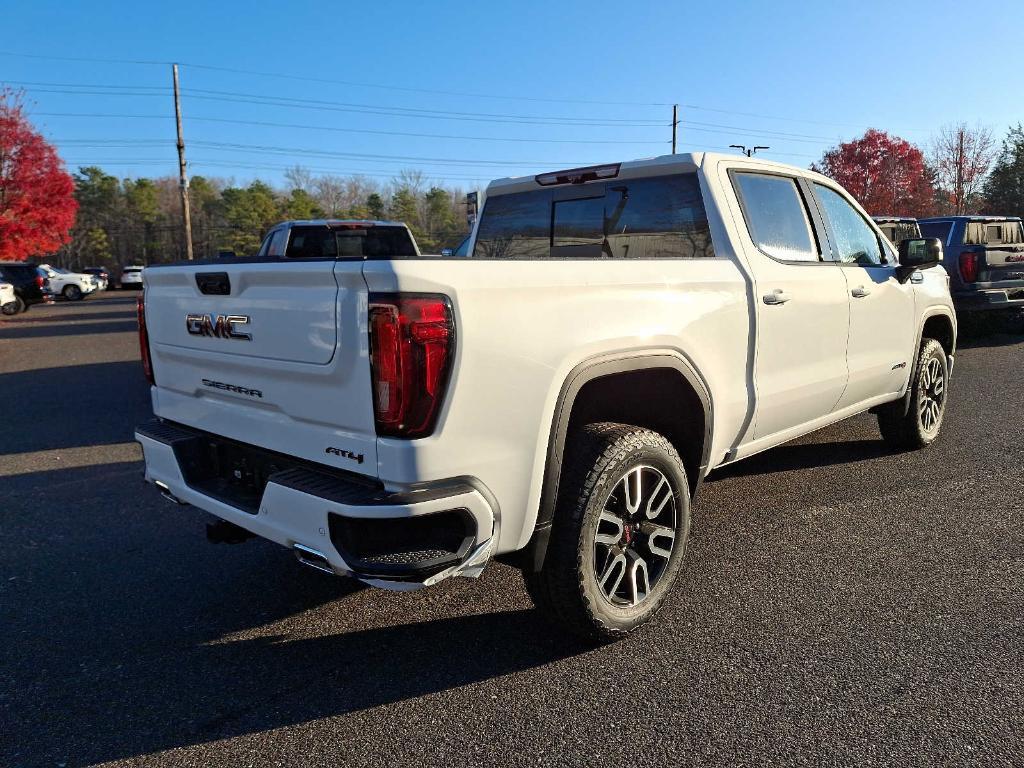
(984, 256)
(131, 278)
(73, 286)
(29, 285)
(100, 274)
(553, 399)
(898, 228)
(8, 300)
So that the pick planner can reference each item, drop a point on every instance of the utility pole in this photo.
(186, 215)
(675, 122)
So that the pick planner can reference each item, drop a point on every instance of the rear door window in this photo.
(939, 229)
(777, 218)
(648, 218)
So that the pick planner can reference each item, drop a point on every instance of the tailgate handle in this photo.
(214, 283)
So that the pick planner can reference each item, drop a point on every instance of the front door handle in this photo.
(778, 296)
(860, 292)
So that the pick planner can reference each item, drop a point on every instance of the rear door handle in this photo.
(778, 296)
(860, 292)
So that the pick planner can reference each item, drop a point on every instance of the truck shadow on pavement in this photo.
(176, 642)
(799, 456)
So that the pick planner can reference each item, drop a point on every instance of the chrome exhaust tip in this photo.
(166, 493)
(312, 558)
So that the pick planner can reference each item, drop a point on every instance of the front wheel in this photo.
(920, 425)
(619, 532)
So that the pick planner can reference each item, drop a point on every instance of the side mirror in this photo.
(918, 253)
(446, 252)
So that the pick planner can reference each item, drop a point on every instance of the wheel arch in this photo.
(939, 319)
(658, 368)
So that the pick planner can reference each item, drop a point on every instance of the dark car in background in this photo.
(29, 284)
(898, 228)
(101, 275)
(984, 256)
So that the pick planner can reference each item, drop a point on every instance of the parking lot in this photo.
(839, 605)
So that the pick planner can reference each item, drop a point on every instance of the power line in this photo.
(273, 100)
(348, 83)
(83, 59)
(301, 151)
(436, 92)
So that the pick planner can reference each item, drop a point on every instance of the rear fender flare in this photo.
(594, 368)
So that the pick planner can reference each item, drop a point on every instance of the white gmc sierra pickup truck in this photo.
(555, 398)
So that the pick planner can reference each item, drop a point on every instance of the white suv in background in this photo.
(8, 301)
(73, 286)
(131, 277)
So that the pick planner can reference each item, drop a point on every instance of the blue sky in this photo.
(533, 85)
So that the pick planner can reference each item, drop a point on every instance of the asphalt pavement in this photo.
(840, 605)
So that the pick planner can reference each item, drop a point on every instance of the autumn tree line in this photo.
(125, 221)
(963, 170)
(92, 218)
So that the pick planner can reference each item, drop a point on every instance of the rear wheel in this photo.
(920, 425)
(72, 292)
(13, 307)
(619, 533)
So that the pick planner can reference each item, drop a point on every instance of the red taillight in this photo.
(412, 339)
(147, 363)
(40, 281)
(969, 266)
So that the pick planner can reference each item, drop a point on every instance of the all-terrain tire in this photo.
(920, 425)
(599, 458)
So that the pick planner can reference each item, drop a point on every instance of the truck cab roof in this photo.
(341, 223)
(972, 218)
(649, 166)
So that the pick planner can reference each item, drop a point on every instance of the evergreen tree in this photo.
(1004, 191)
(375, 206)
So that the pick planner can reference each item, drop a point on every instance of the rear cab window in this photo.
(777, 217)
(993, 233)
(661, 217)
(346, 241)
(898, 231)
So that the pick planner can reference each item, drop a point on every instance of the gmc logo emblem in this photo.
(221, 326)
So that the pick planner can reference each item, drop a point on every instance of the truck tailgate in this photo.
(272, 354)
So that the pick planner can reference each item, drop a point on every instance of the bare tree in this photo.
(413, 180)
(329, 192)
(299, 178)
(961, 157)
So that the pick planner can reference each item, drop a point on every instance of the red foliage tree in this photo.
(37, 196)
(888, 175)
